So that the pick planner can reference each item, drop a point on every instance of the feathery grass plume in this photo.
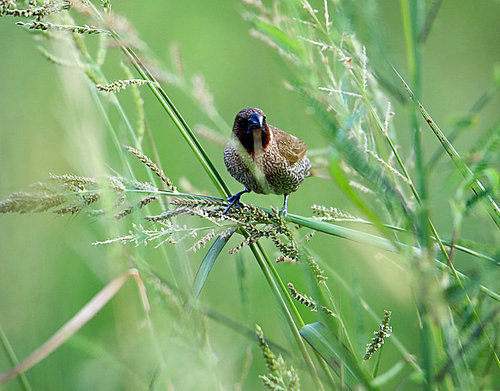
(22, 202)
(71, 194)
(388, 115)
(210, 135)
(125, 33)
(380, 336)
(332, 90)
(152, 166)
(140, 204)
(281, 377)
(302, 299)
(73, 181)
(119, 85)
(201, 243)
(318, 274)
(45, 197)
(177, 61)
(271, 360)
(322, 213)
(171, 296)
(257, 222)
(8, 8)
(307, 301)
(58, 61)
(386, 165)
(139, 235)
(203, 96)
(44, 26)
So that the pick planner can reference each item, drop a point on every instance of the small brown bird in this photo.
(264, 158)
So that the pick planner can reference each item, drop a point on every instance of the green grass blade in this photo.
(389, 374)
(343, 183)
(281, 39)
(208, 262)
(476, 185)
(343, 232)
(335, 354)
(9, 351)
(429, 20)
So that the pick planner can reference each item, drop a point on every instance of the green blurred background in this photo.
(48, 268)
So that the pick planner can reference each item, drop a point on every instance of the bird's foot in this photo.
(283, 212)
(234, 199)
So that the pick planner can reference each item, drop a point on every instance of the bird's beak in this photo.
(256, 121)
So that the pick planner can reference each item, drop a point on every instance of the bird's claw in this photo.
(234, 199)
(283, 212)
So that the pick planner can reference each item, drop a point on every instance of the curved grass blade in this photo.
(389, 374)
(208, 262)
(335, 353)
(81, 318)
(344, 232)
(282, 40)
(476, 186)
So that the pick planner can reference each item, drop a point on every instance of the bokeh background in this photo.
(48, 267)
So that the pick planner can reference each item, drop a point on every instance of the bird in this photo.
(264, 158)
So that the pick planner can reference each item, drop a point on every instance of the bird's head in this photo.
(247, 122)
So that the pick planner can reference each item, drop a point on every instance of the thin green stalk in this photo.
(260, 256)
(9, 351)
(476, 186)
(425, 343)
(429, 20)
(410, 24)
(318, 292)
(475, 108)
(377, 363)
(285, 293)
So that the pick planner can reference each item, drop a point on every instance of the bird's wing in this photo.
(291, 147)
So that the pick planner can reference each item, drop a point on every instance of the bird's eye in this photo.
(241, 121)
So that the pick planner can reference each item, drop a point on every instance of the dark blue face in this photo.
(245, 126)
(256, 121)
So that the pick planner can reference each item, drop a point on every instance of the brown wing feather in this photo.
(291, 147)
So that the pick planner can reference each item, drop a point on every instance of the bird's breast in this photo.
(267, 170)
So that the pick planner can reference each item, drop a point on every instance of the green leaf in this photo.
(385, 377)
(335, 354)
(284, 41)
(208, 262)
(344, 232)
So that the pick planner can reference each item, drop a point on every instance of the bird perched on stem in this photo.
(264, 158)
